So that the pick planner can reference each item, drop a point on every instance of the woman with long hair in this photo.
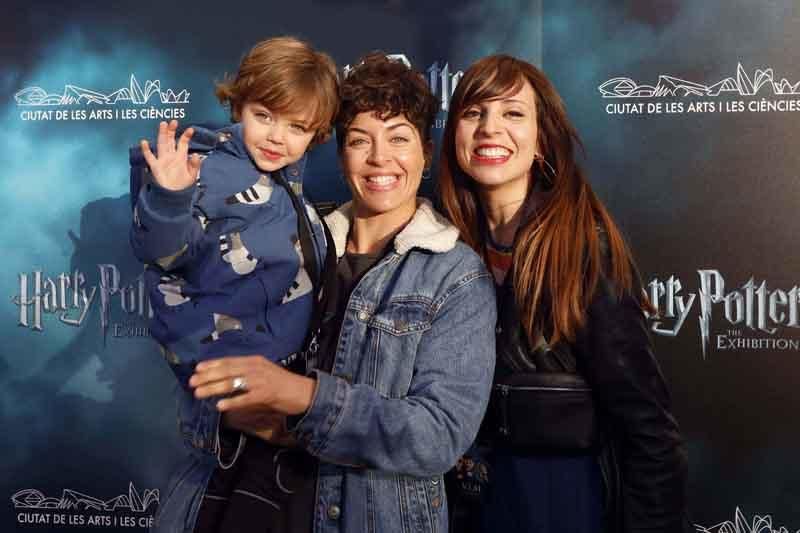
(579, 435)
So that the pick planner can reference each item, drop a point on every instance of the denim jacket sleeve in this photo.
(426, 431)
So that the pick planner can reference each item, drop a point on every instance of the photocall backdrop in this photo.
(688, 114)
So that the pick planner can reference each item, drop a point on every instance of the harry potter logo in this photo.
(753, 306)
(69, 297)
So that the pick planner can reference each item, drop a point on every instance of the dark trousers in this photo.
(268, 490)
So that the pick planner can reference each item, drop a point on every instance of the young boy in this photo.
(227, 256)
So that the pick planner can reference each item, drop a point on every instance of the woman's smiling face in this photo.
(383, 162)
(496, 139)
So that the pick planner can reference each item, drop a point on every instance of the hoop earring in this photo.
(546, 172)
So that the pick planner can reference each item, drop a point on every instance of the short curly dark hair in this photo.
(389, 88)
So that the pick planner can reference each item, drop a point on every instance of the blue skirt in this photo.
(542, 494)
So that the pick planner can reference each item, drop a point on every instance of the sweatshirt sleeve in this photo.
(164, 231)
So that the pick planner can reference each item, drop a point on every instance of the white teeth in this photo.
(381, 180)
(495, 151)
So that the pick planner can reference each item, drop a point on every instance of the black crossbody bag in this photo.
(548, 411)
(540, 401)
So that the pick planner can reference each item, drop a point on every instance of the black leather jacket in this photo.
(644, 459)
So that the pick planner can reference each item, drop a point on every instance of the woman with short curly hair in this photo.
(401, 378)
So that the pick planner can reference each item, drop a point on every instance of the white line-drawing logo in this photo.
(71, 499)
(760, 524)
(72, 95)
(742, 84)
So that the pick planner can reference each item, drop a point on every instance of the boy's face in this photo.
(274, 140)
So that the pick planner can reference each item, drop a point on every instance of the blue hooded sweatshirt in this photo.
(223, 262)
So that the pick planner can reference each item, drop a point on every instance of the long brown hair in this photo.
(559, 255)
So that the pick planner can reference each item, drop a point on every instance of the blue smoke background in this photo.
(93, 412)
(85, 411)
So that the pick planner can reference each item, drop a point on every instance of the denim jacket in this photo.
(410, 383)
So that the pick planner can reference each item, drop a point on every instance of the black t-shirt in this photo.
(349, 271)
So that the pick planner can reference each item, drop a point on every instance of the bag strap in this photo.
(304, 231)
(321, 300)
(322, 276)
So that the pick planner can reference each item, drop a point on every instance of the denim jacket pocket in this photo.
(403, 316)
(420, 504)
(393, 333)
